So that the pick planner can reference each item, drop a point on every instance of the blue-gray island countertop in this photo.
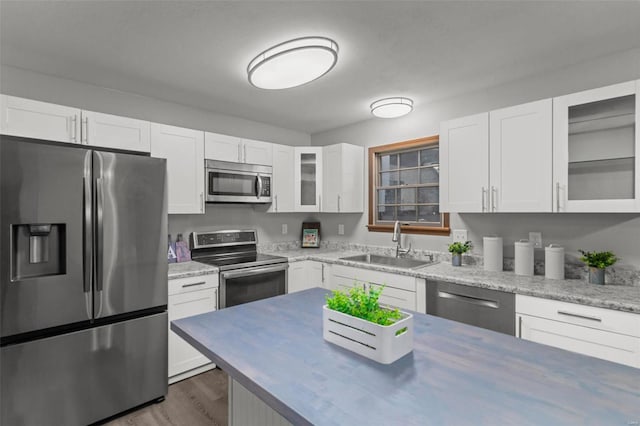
(457, 374)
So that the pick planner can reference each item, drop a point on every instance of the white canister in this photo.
(524, 257)
(492, 249)
(554, 262)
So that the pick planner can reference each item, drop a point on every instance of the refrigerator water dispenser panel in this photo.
(38, 250)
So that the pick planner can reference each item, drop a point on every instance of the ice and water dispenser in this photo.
(38, 250)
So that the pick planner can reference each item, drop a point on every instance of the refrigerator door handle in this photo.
(87, 263)
(99, 247)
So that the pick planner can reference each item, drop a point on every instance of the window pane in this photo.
(386, 213)
(429, 195)
(407, 213)
(429, 156)
(408, 196)
(429, 175)
(409, 159)
(388, 178)
(409, 177)
(429, 214)
(388, 162)
(386, 196)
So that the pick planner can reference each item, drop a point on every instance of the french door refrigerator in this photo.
(83, 282)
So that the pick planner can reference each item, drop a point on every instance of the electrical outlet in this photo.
(340, 229)
(536, 239)
(459, 235)
(285, 229)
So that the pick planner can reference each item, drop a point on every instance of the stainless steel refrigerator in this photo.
(83, 282)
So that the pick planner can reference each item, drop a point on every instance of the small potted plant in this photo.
(457, 249)
(357, 322)
(597, 261)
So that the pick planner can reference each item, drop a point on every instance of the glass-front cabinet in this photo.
(596, 163)
(308, 179)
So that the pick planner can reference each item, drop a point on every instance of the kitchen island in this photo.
(457, 374)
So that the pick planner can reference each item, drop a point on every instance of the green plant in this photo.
(459, 248)
(363, 304)
(598, 259)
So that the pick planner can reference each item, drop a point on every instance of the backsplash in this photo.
(574, 268)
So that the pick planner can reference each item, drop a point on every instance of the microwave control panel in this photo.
(266, 187)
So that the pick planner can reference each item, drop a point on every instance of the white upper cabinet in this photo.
(222, 147)
(308, 179)
(184, 152)
(237, 150)
(596, 159)
(39, 120)
(257, 152)
(283, 185)
(343, 174)
(112, 131)
(498, 161)
(464, 164)
(520, 166)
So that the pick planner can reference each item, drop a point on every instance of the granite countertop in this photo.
(618, 297)
(190, 269)
(456, 374)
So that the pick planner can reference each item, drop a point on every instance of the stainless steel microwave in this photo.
(229, 182)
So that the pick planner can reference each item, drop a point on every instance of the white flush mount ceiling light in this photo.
(391, 107)
(293, 63)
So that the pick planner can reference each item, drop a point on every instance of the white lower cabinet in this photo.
(307, 274)
(188, 297)
(597, 332)
(401, 291)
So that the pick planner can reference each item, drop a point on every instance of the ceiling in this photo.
(196, 52)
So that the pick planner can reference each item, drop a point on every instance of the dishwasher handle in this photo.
(469, 299)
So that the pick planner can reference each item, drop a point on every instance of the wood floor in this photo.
(199, 400)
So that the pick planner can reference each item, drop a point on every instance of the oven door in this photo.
(249, 284)
(232, 186)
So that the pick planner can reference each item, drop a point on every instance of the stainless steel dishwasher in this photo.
(490, 309)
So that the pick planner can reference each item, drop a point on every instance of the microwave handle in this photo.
(259, 182)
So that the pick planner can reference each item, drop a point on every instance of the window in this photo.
(404, 185)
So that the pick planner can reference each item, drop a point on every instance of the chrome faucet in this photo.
(397, 237)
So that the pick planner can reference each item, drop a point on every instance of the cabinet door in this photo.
(596, 143)
(333, 170)
(585, 340)
(464, 164)
(283, 186)
(257, 152)
(39, 120)
(305, 275)
(343, 173)
(520, 163)
(182, 356)
(222, 147)
(308, 179)
(112, 131)
(351, 198)
(184, 152)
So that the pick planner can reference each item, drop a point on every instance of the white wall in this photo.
(617, 232)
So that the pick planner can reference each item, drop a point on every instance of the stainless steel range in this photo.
(245, 274)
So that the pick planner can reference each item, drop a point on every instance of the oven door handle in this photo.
(226, 275)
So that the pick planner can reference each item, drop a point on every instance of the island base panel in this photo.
(246, 409)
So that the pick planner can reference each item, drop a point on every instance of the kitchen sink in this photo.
(399, 262)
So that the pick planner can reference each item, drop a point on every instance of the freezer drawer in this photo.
(85, 376)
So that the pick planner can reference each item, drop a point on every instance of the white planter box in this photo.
(377, 342)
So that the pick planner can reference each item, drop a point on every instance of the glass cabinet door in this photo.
(308, 179)
(596, 150)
